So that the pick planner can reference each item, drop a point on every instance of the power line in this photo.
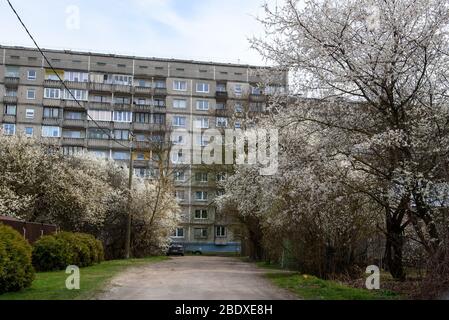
(63, 83)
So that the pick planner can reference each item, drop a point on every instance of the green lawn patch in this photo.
(51, 285)
(313, 288)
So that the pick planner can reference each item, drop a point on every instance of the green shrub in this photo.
(51, 253)
(67, 248)
(16, 271)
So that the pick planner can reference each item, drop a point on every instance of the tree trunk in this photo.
(394, 247)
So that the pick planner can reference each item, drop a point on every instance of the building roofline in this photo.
(120, 56)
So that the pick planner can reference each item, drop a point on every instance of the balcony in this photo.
(120, 144)
(10, 99)
(142, 145)
(52, 83)
(160, 91)
(142, 108)
(102, 143)
(12, 82)
(51, 141)
(143, 91)
(101, 124)
(141, 126)
(122, 88)
(122, 107)
(100, 105)
(223, 95)
(9, 118)
(76, 85)
(74, 123)
(100, 87)
(74, 104)
(51, 103)
(52, 121)
(141, 163)
(258, 97)
(157, 127)
(78, 142)
(122, 125)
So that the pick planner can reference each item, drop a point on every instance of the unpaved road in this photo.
(194, 278)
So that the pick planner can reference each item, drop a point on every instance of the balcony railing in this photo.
(101, 124)
(98, 143)
(94, 86)
(141, 126)
(258, 97)
(11, 81)
(74, 123)
(52, 83)
(10, 99)
(100, 105)
(143, 91)
(73, 104)
(9, 118)
(52, 121)
(122, 88)
(51, 102)
(221, 95)
(79, 142)
(160, 91)
(122, 125)
(120, 144)
(76, 85)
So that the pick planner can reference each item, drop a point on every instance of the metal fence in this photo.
(29, 230)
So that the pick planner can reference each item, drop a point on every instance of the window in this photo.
(159, 118)
(238, 89)
(222, 122)
(180, 195)
(100, 115)
(122, 79)
(72, 134)
(179, 121)
(141, 117)
(10, 110)
(73, 115)
(31, 75)
(201, 176)
(200, 214)
(220, 193)
(200, 233)
(102, 154)
(178, 140)
(52, 93)
(256, 91)
(201, 195)
(160, 84)
(178, 157)
(11, 93)
(29, 113)
(29, 131)
(160, 103)
(202, 140)
(78, 94)
(142, 172)
(238, 107)
(179, 85)
(179, 103)
(237, 125)
(51, 132)
(102, 99)
(12, 72)
(76, 76)
(221, 176)
(202, 87)
(180, 176)
(202, 105)
(220, 231)
(221, 87)
(70, 150)
(140, 138)
(31, 94)
(202, 123)
(122, 100)
(121, 134)
(140, 156)
(120, 155)
(95, 133)
(179, 233)
(9, 129)
(220, 106)
(122, 116)
(51, 113)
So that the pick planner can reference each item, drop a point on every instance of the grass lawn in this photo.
(312, 288)
(51, 285)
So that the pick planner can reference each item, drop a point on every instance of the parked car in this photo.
(175, 249)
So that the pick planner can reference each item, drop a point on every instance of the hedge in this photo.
(58, 251)
(16, 270)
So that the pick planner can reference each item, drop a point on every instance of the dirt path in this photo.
(195, 278)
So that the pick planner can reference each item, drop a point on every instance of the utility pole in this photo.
(130, 185)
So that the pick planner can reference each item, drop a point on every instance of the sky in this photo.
(207, 30)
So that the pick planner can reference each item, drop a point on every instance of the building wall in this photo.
(147, 71)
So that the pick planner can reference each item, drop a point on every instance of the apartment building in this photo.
(142, 96)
